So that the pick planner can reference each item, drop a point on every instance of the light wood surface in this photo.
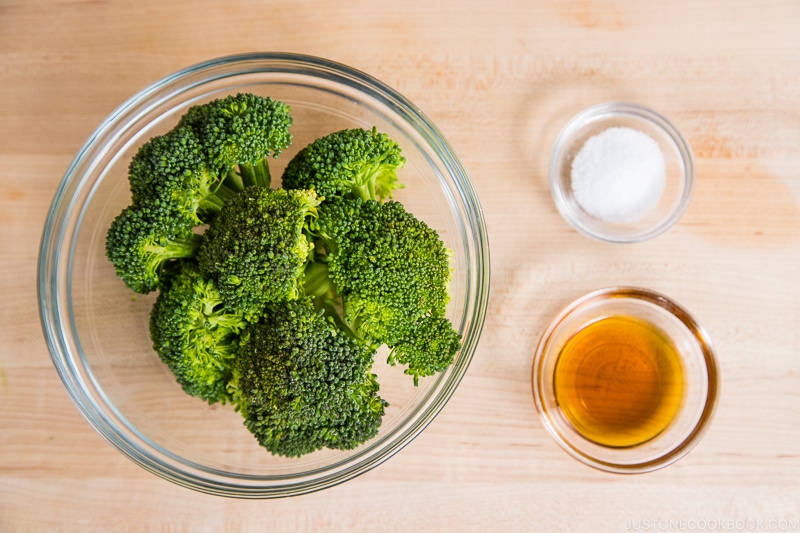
(499, 78)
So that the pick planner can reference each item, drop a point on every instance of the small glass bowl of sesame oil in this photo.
(625, 380)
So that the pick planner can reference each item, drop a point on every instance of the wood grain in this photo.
(499, 79)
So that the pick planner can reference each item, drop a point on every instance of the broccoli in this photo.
(172, 170)
(392, 272)
(257, 249)
(183, 178)
(242, 131)
(277, 300)
(351, 163)
(303, 385)
(426, 346)
(142, 239)
(193, 333)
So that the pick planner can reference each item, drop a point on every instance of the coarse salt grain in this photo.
(619, 175)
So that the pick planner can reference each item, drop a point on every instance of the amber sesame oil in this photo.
(619, 381)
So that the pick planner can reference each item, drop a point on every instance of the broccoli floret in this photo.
(380, 255)
(256, 249)
(352, 163)
(183, 178)
(141, 240)
(193, 333)
(392, 272)
(425, 347)
(173, 170)
(303, 385)
(242, 131)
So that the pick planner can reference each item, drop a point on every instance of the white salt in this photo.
(619, 175)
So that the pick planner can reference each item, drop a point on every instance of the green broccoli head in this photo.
(392, 272)
(386, 264)
(242, 130)
(352, 163)
(193, 332)
(426, 346)
(303, 385)
(173, 170)
(256, 249)
(142, 239)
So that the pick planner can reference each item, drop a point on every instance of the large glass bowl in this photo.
(97, 330)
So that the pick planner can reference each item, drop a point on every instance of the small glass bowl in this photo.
(679, 171)
(700, 379)
(98, 332)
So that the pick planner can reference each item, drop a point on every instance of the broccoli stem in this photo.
(180, 247)
(248, 174)
(363, 193)
(215, 199)
(317, 282)
(233, 180)
(223, 319)
(157, 253)
(211, 203)
(224, 191)
(262, 173)
(215, 314)
(365, 183)
(332, 309)
(255, 174)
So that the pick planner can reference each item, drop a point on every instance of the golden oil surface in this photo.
(619, 381)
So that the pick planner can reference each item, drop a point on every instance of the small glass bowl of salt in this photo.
(621, 172)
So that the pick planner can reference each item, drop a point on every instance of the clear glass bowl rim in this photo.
(598, 112)
(57, 244)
